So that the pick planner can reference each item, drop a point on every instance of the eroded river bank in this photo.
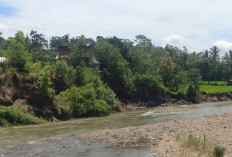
(57, 139)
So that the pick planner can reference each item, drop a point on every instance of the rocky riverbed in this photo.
(160, 137)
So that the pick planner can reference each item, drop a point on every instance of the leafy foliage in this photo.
(146, 86)
(79, 102)
(17, 52)
(63, 75)
(91, 80)
(44, 80)
(12, 116)
(115, 69)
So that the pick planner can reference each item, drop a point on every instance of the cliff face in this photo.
(23, 93)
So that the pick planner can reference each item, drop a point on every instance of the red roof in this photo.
(64, 50)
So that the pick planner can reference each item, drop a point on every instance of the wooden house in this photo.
(63, 51)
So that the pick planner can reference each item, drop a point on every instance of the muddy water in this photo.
(50, 134)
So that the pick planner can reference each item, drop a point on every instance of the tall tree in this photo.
(214, 61)
(17, 52)
(38, 42)
(115, 69)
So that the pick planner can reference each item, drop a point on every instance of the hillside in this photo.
(75, 77)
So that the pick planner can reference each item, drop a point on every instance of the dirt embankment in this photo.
(169, 99)
(23, 93)
(160, 137)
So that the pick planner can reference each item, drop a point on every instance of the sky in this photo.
(196, 24)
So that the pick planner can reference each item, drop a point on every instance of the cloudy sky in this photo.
(197, 24)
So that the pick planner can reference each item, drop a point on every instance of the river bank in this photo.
(160, 137)
(25, 140)
(178, 99)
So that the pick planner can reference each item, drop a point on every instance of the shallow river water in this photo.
(55, 139)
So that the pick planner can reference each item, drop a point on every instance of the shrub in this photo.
(191, 94)
(44, 80)
(63, 76)
(203, 146)
(12, 116)
(81, 102)
(146, 86)
(219, 151)
(99, 108)
(86, 76)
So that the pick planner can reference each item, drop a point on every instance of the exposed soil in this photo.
(22, 92)
(161, 136)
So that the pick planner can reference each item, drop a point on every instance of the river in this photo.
(57, 139)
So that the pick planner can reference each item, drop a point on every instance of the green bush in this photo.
(192, 93)
(12, 116)
(86, 76)
(44, 80)
(146, 86)
(63, 76)
(81, 102)
(219, 151)
(99, 108)
(109, 96)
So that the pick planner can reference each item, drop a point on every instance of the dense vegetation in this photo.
(12, 116)
(100, 74)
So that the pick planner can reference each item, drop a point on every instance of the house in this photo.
(63, 51)
(87, 51)
(2, 59)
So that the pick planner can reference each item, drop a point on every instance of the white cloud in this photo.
(200, 22)
(174, 39)
(224, 45)
(3, 27)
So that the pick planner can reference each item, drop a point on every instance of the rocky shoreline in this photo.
(160, 137)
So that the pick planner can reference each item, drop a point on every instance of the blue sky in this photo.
(6, 10)
(197, 24)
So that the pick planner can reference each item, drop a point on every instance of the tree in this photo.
(63, 75)
(146, 86)
(143, 40)
(38, 42)
(191, 94)
(122, 45)
(194, 78)
(3, 42)
(214, 62)
(227, 60)
(115, 69)
(56, 41)
(17, 52)
(81, 50)
(206, 66)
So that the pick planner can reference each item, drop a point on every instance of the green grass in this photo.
(213, 83)
(201, 145)
(211, 88)
(215, 89)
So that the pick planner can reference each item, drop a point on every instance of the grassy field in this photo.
(212, 88)
(214, 83)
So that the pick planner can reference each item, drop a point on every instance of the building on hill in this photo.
(63, 51)
(2, 59)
